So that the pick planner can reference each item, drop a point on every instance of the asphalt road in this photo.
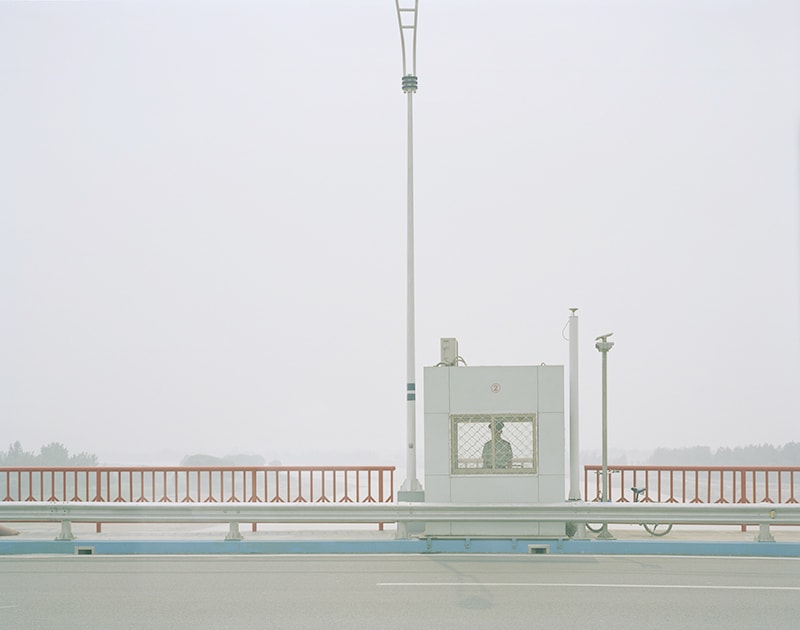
(398, 591)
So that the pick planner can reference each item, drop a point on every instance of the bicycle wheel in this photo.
(658, 529)
(594, 527)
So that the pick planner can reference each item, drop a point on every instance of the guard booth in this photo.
(493, 434)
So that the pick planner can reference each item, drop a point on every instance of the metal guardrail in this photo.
(696, 484)
(761, 514)
(198, 484)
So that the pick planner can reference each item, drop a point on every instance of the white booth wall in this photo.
(536, 391)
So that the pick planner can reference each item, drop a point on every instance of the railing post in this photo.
(233, 531)
(66, 531)
(764, 534)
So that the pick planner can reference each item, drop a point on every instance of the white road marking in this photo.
(720, 587)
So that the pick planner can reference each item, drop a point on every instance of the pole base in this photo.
(605, 534)
(407, 530)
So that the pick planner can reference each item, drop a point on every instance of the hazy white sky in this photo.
(203, 218)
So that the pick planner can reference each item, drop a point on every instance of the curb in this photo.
(417, 546)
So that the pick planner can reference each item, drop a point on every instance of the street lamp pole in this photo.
(604, 345)
(407, 20)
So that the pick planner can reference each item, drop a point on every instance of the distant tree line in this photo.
(229, 460)
(53, 454)
(754, 455)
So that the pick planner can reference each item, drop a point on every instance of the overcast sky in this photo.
(203, 219)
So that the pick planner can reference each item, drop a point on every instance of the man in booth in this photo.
(497, 451)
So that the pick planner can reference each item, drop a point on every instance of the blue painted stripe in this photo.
(427, 545)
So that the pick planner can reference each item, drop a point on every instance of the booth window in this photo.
(493, 444)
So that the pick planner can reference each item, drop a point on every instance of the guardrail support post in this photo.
(233, 532)
(764, 534)
(66, 531)
(580, 531)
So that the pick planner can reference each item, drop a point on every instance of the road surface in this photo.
(398, 591)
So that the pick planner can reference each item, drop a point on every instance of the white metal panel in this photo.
(437, 389)
(438, 529)
(552, 529)
(499, 389)
(551, 488)
(475, 528)
(437, 489)
(495, 489)
(551, 444)
(551, 388)
(437, 443)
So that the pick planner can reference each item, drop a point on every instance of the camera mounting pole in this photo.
(604, 345)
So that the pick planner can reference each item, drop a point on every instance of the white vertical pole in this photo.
(411, 483)
(604, 494)
(604, 345)
(574, 441)
(407, 20)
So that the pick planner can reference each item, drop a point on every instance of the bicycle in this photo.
(654, 529)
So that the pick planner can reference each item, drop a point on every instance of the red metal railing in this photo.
(695, 484)
(200, 484)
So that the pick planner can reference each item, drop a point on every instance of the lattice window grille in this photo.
(476, 449)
